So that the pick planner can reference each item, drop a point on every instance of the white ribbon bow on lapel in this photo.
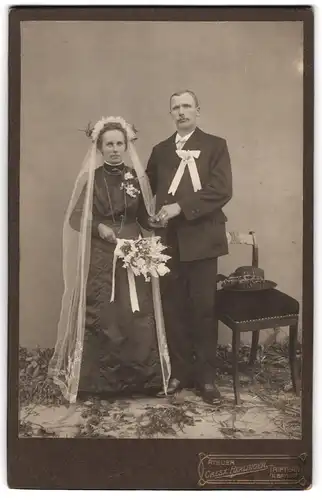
(187, 158)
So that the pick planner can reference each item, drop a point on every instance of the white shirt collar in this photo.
(184, 138)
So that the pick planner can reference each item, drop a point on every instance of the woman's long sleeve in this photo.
(76, 215)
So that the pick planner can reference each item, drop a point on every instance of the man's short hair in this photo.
(193, 95)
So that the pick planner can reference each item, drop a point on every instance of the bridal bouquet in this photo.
(144, 256)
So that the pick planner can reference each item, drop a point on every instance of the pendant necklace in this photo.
(122, 217)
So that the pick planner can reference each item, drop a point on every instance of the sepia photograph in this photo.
(161, 170)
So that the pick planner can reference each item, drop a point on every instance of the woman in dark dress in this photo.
(120, 347)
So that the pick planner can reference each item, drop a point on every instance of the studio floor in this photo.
(269, 408)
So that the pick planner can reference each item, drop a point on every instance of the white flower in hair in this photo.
(130, 130)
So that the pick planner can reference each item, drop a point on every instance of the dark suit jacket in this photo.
(200, 227)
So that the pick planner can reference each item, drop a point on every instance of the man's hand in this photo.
(168, 212)
(106, 233)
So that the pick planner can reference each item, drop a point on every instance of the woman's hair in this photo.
(111, 126)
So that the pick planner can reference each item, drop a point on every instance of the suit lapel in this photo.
(173, 159)
(194, 140)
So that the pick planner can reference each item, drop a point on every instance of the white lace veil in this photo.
(65, 365)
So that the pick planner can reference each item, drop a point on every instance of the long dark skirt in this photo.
(120, 347)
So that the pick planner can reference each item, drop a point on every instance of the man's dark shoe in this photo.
(210, 394)
(173, 387)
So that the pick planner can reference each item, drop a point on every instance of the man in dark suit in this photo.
(190, 174)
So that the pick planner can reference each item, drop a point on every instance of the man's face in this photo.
(184, 112)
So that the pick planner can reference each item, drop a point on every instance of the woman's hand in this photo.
(106, 233)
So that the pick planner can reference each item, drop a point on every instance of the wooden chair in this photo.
(255, 311)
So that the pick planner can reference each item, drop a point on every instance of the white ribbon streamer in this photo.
(133, 293)
(187, 158)
(160, 329)
(130, 276)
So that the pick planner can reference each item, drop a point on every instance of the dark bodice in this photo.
(117, 201)
(110, 199)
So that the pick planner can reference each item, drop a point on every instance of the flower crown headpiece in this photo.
(94, 131)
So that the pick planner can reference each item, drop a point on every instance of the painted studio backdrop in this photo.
(248, 77)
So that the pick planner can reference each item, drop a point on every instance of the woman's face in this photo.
(113, 146)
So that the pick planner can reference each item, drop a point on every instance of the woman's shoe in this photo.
(173, 387)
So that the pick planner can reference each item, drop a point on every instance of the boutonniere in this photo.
(128, 185)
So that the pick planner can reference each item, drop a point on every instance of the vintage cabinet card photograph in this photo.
(160, 248)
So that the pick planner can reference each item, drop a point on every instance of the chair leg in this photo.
(253, 350)
(215, 345)
(292, 357)
(216, 335)
(235, 349)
